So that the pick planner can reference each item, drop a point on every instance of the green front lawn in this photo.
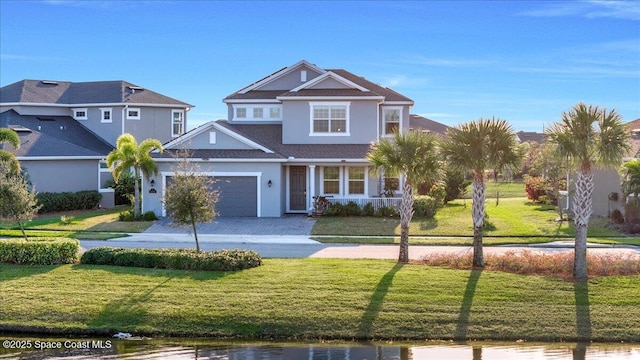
(319, 299)
(514, 218)
(89, 224)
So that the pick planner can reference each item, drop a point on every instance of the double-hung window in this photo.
(357, 179)
(344, 181)
(177, 122)
(331, 180)
(392, 118)
(329, 119)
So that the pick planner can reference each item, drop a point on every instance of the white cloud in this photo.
(629, 10)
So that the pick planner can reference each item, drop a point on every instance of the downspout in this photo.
(124, 111)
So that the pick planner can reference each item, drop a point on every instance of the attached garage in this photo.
(238, 194)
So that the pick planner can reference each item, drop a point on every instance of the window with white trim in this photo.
(177, 122)
(133, 114)
(331, 180)
(258, 113)
(356, 180)
(80, 114)
(105, 115)
(392, 119)
(241, 113)
(274, 113)
(329, 119)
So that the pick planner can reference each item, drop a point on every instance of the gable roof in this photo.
(357, 86)
(533, 136)
(65, 93)
(52, 136)
(417, 122)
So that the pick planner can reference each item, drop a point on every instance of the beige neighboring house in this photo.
(607, 194)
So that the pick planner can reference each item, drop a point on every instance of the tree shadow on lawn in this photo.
(14, 271)
(465, 309)
(375, 303)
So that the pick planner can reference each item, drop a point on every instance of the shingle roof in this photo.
(52, 136)
(374, 90)
(525, 136)
(417, 122)
(70, 93)
(270, 136)
(634, 141)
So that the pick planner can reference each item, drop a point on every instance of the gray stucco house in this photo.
(299, 132)
(66, 129)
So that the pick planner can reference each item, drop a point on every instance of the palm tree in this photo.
(478, 146)
(630, 178)
(11, 137)
(128, 154)
(589, 137)
(414, 155)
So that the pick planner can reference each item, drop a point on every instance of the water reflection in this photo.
(195, 349)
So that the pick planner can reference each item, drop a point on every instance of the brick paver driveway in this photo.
(286, 225)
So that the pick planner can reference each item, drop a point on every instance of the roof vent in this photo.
(135, 88)
(48, 82)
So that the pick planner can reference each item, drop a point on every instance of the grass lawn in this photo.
(515, 218)
(90, 224)
(506, 189)
(319, 299)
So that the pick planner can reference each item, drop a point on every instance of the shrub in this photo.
(67, 219)
(438, 192)
(352, 209)
(124, 189)
(368, 210)
(616, 217)
(39, 251)
(535, 187)
(149, 216)
(66, 201)
(455, 183)
(387, 211)
(178, 259)
(126, 215)
(335, 209)
(425, 206)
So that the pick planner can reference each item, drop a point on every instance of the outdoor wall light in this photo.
(152, 182)
(269, 183)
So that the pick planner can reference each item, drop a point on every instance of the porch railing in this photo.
(377, 202)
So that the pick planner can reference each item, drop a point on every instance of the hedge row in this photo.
(65, 201)
(178, 259)
(39, 251)
(423, 206)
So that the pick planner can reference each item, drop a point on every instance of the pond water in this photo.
(33, 348)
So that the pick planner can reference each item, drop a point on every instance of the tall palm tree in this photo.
(414, 155)
(128, 154)
(11, 137)
(477, 146)
(589, 137)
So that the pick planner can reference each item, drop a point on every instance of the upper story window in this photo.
(329, 119)
(257, 112)
(105, 115)
(133, 114)
(80, 114)
(177, 122)
(392, 119)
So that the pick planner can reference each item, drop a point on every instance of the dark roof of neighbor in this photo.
(70, 93)
(634, 141)
(52, 136)
(417, 122)
(525, 136)
(374, 90)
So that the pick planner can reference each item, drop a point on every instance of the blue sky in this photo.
(523, 61)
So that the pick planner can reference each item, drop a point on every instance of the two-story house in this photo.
(300, 132)
(66, 129)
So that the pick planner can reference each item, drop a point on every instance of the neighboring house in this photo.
(67, 129)
(420, 123)
(530, 136)
(298, 133)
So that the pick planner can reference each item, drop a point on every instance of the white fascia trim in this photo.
(200, 129)
(251, 101)
(279, 74)
(186, 107)
(331, 161)
(330, 98)
(332, 75)
(397, 103)
(221, 160)
(241, 138)
(45, 158)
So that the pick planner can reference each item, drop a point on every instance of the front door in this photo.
(298, 188)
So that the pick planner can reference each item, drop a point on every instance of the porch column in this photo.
(312, 185)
